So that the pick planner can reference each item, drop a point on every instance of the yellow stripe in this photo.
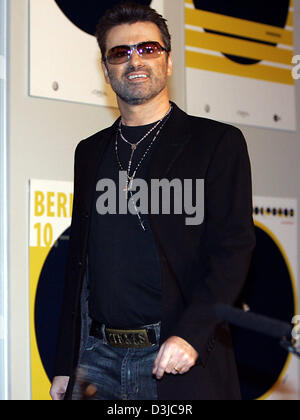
(238, 47)
(290, 19)
(223, 65)
(237, 26)
(40, 385)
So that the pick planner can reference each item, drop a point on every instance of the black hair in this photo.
(129, 13)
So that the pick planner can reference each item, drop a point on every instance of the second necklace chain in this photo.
(134, 147)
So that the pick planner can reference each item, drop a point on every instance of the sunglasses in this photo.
(122, 53)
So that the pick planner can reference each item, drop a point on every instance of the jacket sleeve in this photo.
(229, 241)
(63, 365)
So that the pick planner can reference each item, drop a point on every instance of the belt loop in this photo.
(157, 332)
(157, 328)
(103, 334)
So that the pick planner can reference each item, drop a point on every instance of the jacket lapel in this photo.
(94, 158)
(176, 135)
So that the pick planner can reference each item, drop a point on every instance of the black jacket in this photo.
(201, 264)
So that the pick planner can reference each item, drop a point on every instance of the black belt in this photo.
(125, 338)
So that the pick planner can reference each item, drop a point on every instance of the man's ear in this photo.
(170, 64)
(105, 71)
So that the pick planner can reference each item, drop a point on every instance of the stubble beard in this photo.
(137, 94)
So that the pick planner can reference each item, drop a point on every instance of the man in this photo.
(138, 313)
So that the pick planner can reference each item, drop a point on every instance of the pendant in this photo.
(129, 187)
(133, 146)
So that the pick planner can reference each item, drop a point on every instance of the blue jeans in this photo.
(110, 373)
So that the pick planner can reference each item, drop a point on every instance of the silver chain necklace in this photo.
(130, 179)
(135, 145)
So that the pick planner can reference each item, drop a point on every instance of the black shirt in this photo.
(124, 266)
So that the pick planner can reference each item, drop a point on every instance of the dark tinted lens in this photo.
(118, 55)
(121, 54)
(150, 49)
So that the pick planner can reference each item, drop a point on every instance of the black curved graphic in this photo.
(85, 14)
(269, 292)
(49, 300)
(275, 14)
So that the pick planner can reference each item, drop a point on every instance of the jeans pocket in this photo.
(91, 343)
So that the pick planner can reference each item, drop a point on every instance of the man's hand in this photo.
(59, 387)
(175, 356)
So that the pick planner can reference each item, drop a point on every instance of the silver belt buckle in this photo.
(127, 338)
